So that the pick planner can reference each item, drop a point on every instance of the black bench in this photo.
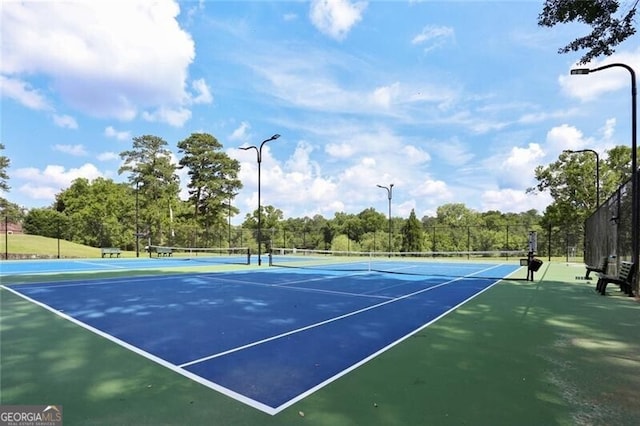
(110, 251)
(624, 279)
(164, 251)
(601, 267)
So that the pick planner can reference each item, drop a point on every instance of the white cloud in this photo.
(311, 78)
(564, 137)
(476, 123)
(516, 171)
(174, 116)
(335, 18)
(241, 133)
(433, 37)
(22, 92)
(108, 156)
(75, 150)
(300, 161)
(432, 191)
(203, 91)
(44, 184)
(537, 117)
(120, 135)
(511, 200)
(107, 59)
(65, 121)
(384, 96)
(39, 192)
(414, 155)
(453, 152)
(591, 86)
(609, 129)
(342, 150)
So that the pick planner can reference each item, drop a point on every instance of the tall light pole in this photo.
(569, 151)
(229, 224)
(635, 214)
(259, 153)
(137, 227)
(389, 190)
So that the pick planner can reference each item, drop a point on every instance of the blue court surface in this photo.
(265, 337)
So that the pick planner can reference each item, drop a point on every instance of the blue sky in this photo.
(452, 102)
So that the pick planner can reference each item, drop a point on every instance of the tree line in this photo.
(147, 209)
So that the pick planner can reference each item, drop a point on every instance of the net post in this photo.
(533, 247)
(248, 256)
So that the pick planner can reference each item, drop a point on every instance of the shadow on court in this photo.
(547, 352)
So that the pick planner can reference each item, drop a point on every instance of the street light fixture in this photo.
(259, 153)
(569, 151)
(389, 190)
(635, 214)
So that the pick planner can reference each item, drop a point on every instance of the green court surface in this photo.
(547, 352)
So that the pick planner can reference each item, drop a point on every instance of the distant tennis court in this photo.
(264, 336)
(171, 257)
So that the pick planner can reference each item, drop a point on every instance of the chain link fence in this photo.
(608, 229)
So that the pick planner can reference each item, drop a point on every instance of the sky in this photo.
(449, 101)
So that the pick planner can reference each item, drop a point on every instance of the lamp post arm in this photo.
(635, 203)
(259, 155)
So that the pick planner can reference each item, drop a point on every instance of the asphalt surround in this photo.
(550, 351)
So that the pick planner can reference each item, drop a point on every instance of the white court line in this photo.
(95, 281)
(286, 285)
(100, 264)
(237, 396)
(321, 323)
(230, 393)
(386, 348)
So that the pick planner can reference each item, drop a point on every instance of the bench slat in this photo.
(624, 279)
(110, 251)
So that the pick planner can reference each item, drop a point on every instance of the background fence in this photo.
(608, 229)
(565, 241)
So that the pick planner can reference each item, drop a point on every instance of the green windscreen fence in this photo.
(608, 229)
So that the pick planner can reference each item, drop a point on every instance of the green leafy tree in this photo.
(617, 169)
(570, 181)
(46, 222)
(315, 228)
(610, 26)
(342, 242)
(100, 213)
(270, 224)
(213, 179)
(372, 220)
(412, 238)
(4, 176)
(13, 212)
(328, 233)
(153, 174)
(453, 221)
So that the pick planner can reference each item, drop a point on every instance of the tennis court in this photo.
(548, 351)
(267, 337)
(183, 258)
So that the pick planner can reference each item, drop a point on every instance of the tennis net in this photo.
(453, 264)
(232, 255)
